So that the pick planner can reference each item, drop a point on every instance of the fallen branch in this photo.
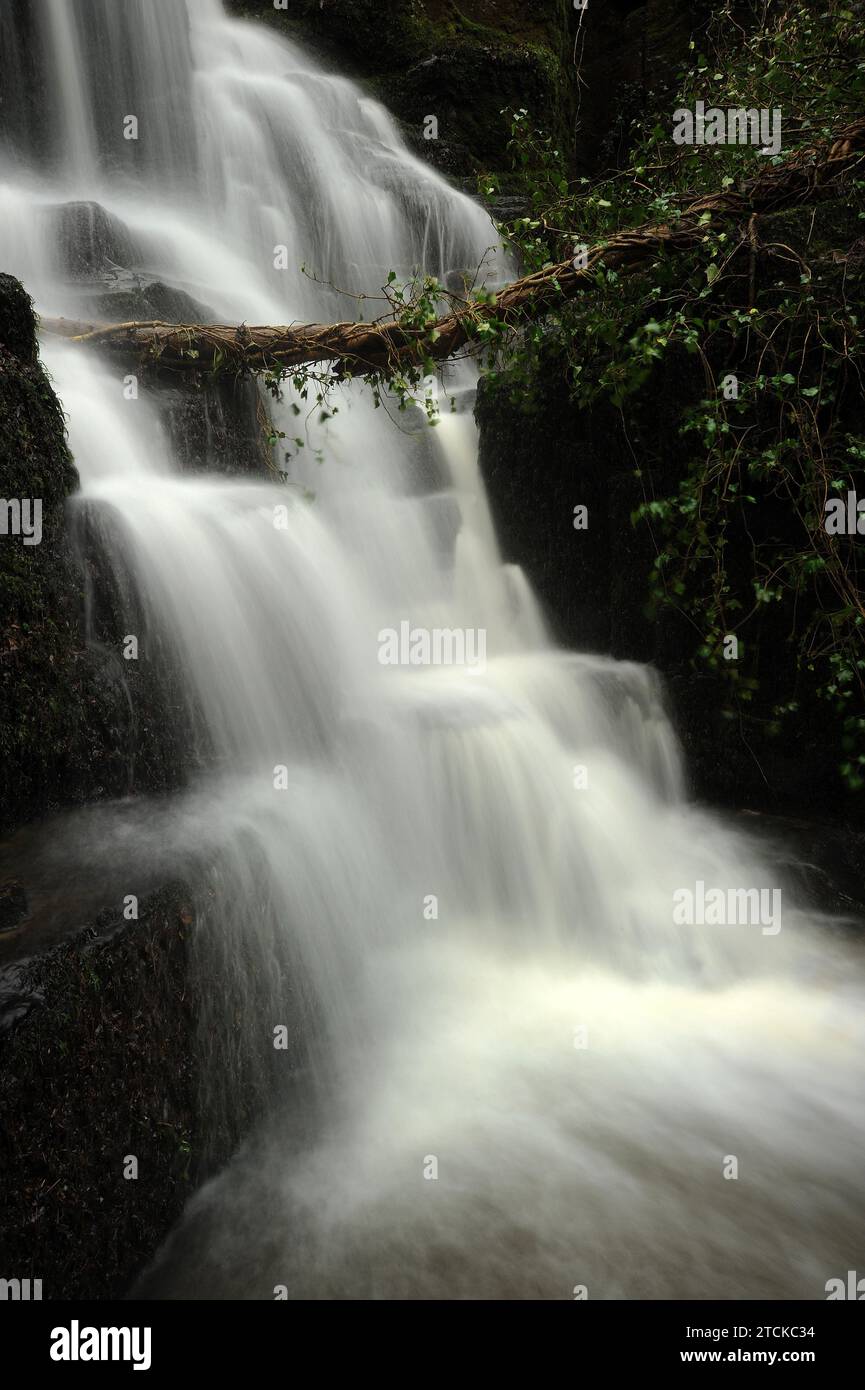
(389, 347)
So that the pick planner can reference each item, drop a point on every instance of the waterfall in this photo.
(517, 1069)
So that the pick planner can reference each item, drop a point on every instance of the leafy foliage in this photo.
(762, 326)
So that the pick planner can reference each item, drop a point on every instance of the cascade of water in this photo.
(526, 1072)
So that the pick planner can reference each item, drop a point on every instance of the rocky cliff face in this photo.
(61, 725)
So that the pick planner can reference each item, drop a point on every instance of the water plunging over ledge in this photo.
(521, 1072)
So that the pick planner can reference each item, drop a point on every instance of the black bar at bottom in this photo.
(246, 1338)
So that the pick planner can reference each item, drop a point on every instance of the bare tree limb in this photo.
(387, 348)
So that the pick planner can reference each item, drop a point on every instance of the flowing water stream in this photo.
(521, 1074)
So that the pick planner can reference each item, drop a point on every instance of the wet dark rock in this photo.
(97, 253)
(467, 86)
(76, 722)
(17, 996)
(507, 209)
(218, 425)
(137, 298)
(44, 686)
(17, 323)
(91, 242)
(828, 867)
(152, 741)
(96, 1063)
(119, 1040)
(13, 904)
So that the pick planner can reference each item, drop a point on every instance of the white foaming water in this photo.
(448, 1042)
